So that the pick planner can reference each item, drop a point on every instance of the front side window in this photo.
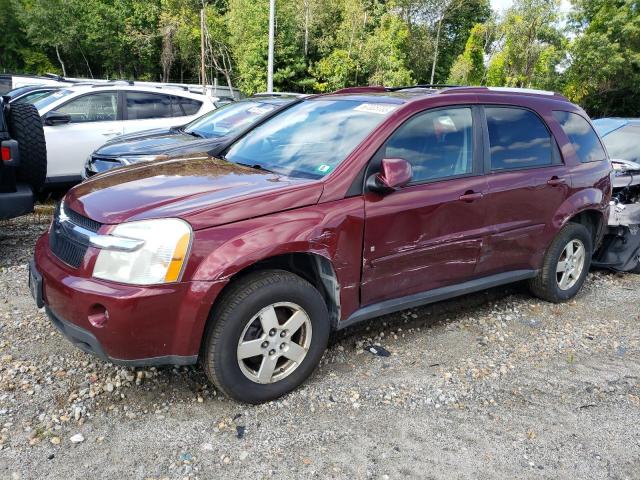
(49, 99)
(229, 118)
(517, 139)
(95, 107)
(437, 144)
(141, 105)
(311, 138)
(624, 143)
(583, 138)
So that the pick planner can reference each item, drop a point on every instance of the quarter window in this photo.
(438, 144)
(189, 105)
(581, 135)
(517, 139)
(95, 107)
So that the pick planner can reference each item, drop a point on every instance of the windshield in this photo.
(228, 118)
(624, 143)
(311, 138)
(49, 99)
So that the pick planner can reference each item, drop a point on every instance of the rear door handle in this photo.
(556, 181)
(109, 133)
(471, 196)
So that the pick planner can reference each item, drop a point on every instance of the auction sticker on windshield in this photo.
(379, 108)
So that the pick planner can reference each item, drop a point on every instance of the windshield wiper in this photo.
(193, 133)
(255, 166)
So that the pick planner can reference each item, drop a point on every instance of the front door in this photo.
(430, 233)
(94, 121)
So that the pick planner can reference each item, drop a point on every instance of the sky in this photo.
(502, 5)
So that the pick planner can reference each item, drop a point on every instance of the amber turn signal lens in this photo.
(177, 260)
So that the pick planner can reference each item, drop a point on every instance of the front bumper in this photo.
(88, 342)
(146, 325)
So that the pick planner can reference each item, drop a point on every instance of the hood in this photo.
(205, 191)
(157, 142)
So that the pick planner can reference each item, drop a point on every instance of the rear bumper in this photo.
(146, 325)
(15, 204)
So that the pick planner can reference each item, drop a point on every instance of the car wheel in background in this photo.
(265, 336)
(25, 126)
(565, 266)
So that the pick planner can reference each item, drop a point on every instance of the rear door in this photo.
(95, 118)
(147, 110)
(527, 183)
(428, 234)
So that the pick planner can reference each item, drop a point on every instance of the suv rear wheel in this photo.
(25, 126)
(566, 265)
(266, 336)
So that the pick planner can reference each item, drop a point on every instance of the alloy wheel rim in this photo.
(274, 342)
(570, 264)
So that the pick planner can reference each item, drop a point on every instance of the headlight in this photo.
(160, 259)
(131, 159)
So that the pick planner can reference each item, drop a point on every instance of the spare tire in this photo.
(25, 126)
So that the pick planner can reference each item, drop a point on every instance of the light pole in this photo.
(272, 14)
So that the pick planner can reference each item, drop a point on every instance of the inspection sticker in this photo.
(379, 108)
(324, 168)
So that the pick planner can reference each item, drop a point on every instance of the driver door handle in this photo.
(471, 196)
(556, 181)
(109, 133)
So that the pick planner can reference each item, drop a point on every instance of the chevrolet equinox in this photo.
(340, 208)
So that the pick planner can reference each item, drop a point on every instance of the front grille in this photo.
(62, 246)
(82, 221)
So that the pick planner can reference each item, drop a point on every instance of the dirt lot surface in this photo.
(493, 385)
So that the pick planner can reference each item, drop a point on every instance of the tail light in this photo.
(9, 153)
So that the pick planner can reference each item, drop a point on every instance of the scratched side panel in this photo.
(333, 230)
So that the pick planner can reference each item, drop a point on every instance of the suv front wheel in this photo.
(266, 336)
(566, 265)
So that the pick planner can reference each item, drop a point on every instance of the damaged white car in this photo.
(620, 249)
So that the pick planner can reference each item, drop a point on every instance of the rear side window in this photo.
(142, 105)
(583, 138)
(189, 105)
(438, 144)
(517, 139)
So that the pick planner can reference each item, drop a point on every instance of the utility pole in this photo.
(203, 73)
(272, 15)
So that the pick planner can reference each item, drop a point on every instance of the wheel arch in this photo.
(313, 267)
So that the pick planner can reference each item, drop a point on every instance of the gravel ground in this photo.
(493, 385)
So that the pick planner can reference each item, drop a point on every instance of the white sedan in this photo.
(79, 119)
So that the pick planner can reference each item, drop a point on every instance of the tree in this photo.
(468, 68)
(604, 69)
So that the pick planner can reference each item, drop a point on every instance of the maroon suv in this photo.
(341, 208)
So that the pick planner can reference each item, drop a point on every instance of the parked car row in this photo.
(242, 239)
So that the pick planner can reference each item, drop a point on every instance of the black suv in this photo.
(23, 158)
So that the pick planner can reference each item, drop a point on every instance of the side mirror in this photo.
(56, 118)
(394, 173)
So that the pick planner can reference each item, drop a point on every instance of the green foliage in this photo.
(468, 68)
(605, 71)
(323, 45)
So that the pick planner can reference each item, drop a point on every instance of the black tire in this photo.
(545, 284)
(229, 318)
(25, 126)
(636, 269)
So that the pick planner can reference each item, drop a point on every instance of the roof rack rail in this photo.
(432, 86)
(483, 89)
(113, 83)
